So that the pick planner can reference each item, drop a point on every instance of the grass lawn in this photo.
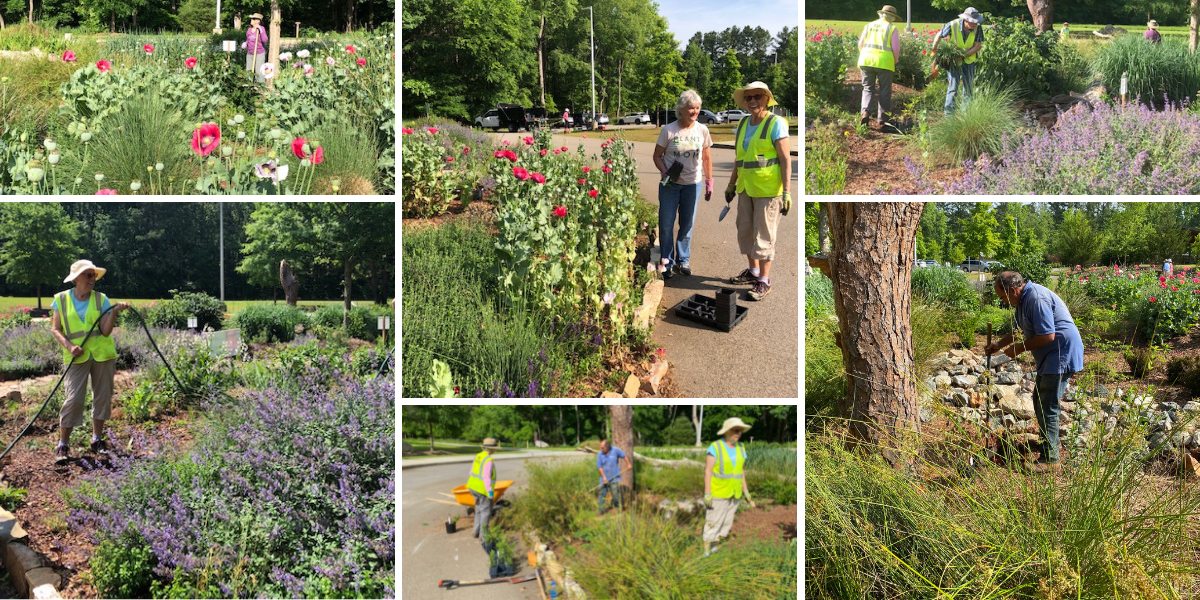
(10, 302)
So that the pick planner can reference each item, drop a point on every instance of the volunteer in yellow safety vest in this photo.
(482, 484)
(73, 314)
(878, 55)
(966, 34)
(724, 484)
(761, 180)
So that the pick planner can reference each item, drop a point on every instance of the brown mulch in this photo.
(767, 524)
(30, 466)
(481, 209)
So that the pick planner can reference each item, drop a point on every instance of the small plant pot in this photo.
(487, 548)
(501, 570)
(451, 527)
(477, 194)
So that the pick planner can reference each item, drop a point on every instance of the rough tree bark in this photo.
(870, 268)
(823, 228)
(347, 271)
(289, 283)
(541, 51)
(1042, 12)
(622, 426)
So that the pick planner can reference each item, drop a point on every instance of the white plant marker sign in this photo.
(224, 343)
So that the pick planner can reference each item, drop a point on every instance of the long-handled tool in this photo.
(610, 481)
(450, 583)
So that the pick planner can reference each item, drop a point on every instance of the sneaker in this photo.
(685, 269)
(61, 457)
(100, 447)
(667, 274)
(746, 276)
(760, 290)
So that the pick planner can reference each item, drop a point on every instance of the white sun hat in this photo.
(739, 95)
(82, 265)
(731, 424)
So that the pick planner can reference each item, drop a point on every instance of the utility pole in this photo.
(222, 220)
(217, 28)
(592, 29)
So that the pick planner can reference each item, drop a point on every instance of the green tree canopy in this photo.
(39, 244)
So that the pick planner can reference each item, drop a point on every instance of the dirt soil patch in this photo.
(766, 524)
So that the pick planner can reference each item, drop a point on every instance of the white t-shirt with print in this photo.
(685, 145)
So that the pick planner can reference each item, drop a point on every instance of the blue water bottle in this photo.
(553, 591)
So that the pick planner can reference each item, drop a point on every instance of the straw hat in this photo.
(739, 94)
(83, 265)
(889, 11)
(256, 16)
(1152, 24)
(732, 423)
(490, 443)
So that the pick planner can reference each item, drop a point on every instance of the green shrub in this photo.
(18, 318)
(147, 129)
(1030, 265)
(174, 313)
(913, 66)
(682, 483)
(1016, 56)
(270, 323)
(142, 402)
(931, 99)
(978, 126)
(1154, 70)
(11, 498)
(199, 375)
(945, 286)
(964, 327)
(555, 492)
(782, 493)
(196, 16)
(1075, 297)
(682, 431)
(1002, 321)
(1072, 71)
(1141, 360)
(124, 568)
(825, 61)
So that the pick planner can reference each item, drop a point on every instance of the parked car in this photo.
(733, 114)
(709, 117)
(973, 266)
(925, 262)
(639, 118)
(994, 263)
(586, 118)
(489, 120)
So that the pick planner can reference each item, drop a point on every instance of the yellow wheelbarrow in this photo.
(463, 496)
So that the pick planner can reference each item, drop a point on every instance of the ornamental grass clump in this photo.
(1155, 71)
(979, 126)
(1119, 149)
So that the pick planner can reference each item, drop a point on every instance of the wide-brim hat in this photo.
(971, 14)
(80, 266)
(739, 95)
(888, 11)
(1152, 24)
(490, 443)
(732, 423)
(255, 16)
(1169, 260)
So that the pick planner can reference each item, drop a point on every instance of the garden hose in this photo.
(68, 368)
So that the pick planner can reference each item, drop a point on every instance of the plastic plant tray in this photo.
(703, 310)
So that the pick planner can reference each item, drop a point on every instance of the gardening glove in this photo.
(787, 203)
(746, 493)
(730, 191)
(708, 501)
(708, 189)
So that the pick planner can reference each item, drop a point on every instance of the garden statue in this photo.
(291, 285)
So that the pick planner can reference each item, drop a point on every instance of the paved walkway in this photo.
(760, 358)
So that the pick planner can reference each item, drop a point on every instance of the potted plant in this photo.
(491, 536)
(452, 524)
(501, 559)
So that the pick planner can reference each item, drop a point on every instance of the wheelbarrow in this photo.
(463, 496)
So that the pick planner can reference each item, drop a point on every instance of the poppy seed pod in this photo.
(135, 185)
(99, 176)
(54, 157)
(34, 171)
(85, 136)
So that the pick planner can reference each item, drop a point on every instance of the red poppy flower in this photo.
(538, 177)
(582, 182)
(433, 130)
(206, 138)
(1162, 278)
(104, 66)
(1173, 288)
(560, 211)
(106, 193)
(149, 48)
(499, 154)
(362, 62)
(318, 156)
(351, 49)
(593, 192)
(520, 173)
(543, 152)
(1152, 298)
(190, 62)
(466, 149)
(606, 169)
(449, 159)
(528, 140)
(510, 155)
(587, 170)
(564, 148)
(298, 147)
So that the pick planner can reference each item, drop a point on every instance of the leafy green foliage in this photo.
(1031, 266)
(825, 163)
(1078, 243)
(174, 313)
(818, 295)
(1016, 57)
(266, 323)
(123, 568)
(914, 64)
(39, 243)
(825, 61)
(1142, 360)
(11, 497)
(946, 286)
(978, 126)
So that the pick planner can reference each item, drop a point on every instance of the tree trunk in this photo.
(871, 271)
(1193, 18)
(577, 425)
(112, 18)
(620, 91)
(1042, 12)
(697, 421)
(431, 436)
(289, 282)
(823, 228)
(541, 51)
(349, 15)
(31, 11)
(274, 33)
(39, 293)
(347, 270)
(622, 426)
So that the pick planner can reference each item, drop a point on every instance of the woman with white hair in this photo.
(684, 160)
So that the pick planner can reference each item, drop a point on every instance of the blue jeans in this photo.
(962, 77)
(613, 488)
(1047, 392)
(672, 198)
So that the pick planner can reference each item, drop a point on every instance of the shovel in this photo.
(932, 75)
(450, 583)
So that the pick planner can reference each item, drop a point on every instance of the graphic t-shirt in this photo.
(686, 145)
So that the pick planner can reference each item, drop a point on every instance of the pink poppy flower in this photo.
(528, 140)
(69, 56)
(520, 173)
(560, 211)
(466, 149)
(206, 138)
(351, 49)
(298, 147)
(104, 66)
(538, 177)
(587, 170)
(543, 152)
(106, 193)
(318, 156)
(190, 62)
(582, 182)
(362, 62)
(149, 48)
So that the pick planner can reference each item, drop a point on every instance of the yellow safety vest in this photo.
(475, 483)
(759, 173)
(97, 347)
(877, 46)
(956, 35)
(727, 472)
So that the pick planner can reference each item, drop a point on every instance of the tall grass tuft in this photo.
(350, 157)
(978, 126)
(145, 131)
(556, 494)
(641, 555)
(825, 161)
(818, 295)
(944, 286)
(824, 376)
(1101, 529)
(1154, 70)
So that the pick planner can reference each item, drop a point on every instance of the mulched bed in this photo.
(766, 524)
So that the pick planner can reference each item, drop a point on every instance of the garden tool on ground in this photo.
(451, 584)
(541, 586)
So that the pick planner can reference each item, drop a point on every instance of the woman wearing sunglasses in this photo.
(74, 312)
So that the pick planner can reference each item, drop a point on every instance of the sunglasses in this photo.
(88, 276)
(755, 97)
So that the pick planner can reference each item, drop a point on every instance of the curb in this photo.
(28, 570)
(449, 460)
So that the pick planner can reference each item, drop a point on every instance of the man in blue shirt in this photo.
(608, 461)
(1050, 334)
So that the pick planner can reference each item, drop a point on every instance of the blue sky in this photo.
(686, 17)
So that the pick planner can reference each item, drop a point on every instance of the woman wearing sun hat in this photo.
(878, 55)
(761, 180)
(1152, 35)
(724, 483)
(256, 46)
(482, 484)
(73, 314)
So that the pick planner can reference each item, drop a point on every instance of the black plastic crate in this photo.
(703, 310)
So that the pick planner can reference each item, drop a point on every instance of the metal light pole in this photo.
(222, 220)
(217, 29)
(592, 29)
(907, 16)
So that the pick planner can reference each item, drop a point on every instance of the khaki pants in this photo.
(719, 519)
(757, 223)
(253, 63)
(102, 374)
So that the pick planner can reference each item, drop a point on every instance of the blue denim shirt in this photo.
(611, 463)
(1041, 312)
